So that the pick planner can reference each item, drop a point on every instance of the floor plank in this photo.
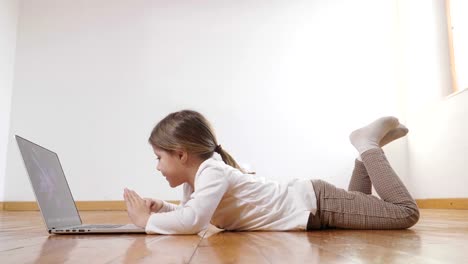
(441, 236)
(263, 247)
(23, 239)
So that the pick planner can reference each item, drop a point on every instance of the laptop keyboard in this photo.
(96, 226)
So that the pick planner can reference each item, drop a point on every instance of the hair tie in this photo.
(218, 149)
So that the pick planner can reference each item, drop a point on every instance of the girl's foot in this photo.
(370, 136)
(394, 134)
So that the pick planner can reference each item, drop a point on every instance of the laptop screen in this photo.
(49, 184)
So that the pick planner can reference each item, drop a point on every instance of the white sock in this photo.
(369, 137)
(394, 134)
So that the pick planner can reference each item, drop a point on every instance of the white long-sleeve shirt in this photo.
(231, 200)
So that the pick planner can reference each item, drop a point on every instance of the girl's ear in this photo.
(182, 155)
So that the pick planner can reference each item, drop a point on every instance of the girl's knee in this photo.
(412, 218)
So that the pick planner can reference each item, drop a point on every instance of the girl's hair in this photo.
(191, 131)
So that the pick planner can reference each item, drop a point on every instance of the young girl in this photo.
(225, 195)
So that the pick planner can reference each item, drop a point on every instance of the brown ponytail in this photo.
(191, 131)
(229, 160)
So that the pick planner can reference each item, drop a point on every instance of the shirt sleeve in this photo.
(196, 213)
(167, 207)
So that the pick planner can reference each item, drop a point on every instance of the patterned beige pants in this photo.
(357, 208)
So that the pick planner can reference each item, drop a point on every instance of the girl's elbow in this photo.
(197, 229)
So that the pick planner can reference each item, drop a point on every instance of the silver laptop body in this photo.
(53, 194)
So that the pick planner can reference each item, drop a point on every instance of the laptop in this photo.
(53, 195)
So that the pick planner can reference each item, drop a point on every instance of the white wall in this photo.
(437, 142)
(8, 23)
(283, 82)
(439, 149)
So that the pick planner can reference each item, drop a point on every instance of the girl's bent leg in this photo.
(360, 181)
(338, 208)
(385, 180)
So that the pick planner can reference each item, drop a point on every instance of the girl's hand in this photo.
(138, 209)
(154, 204)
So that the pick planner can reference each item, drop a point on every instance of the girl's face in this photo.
(171, 167)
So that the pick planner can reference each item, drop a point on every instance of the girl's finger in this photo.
(127, 196)
(127, 200)
(132, 197)
(136, 198)
(147, 203)
(135, 194)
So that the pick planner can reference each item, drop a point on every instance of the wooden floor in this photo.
(441, 236)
